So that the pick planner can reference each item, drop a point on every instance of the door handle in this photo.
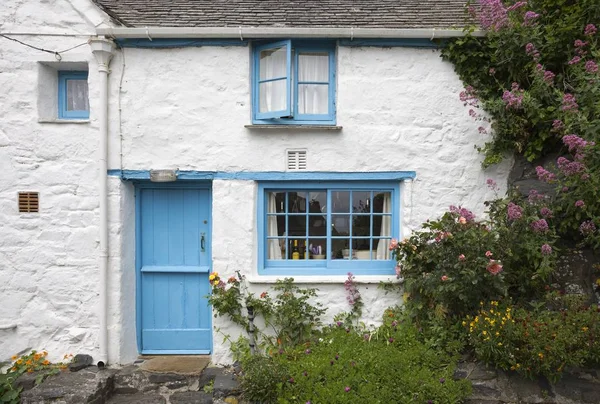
(202, 242)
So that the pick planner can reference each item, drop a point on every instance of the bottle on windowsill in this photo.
(295, 251)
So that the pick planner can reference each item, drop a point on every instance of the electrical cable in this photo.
(55, 53)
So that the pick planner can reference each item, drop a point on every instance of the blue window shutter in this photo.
(286, 111)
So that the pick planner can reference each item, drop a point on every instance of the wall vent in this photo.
(296, 160)
(29, 202)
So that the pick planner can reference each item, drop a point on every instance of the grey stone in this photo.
(164, 377)
(577, 389)
(483, 391)
(26, 381)
(208, 375)
(80, 361)
(125, 390)
(191, 397)
(137, 399)
(89, 385)
(225, 385)
(176, 384)
(483, 372)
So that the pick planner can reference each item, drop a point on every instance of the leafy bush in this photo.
(262, 379)
(456, 262)
(353, 365)
(539, 342)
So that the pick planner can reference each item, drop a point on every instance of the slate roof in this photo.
(297, 13)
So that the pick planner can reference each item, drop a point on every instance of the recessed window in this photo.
(294, 83)
(327, 228)
(73, 100)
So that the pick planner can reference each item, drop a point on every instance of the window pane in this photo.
(361, 202)
(382, 202)
(276, 249)
(318, 202)
(382, 248)
(317, 248)
(317, 225)
(340, 201)
(275, 202)
(340, 225)
(361, 225)
(77, 95)
(313, 98)
(297, 201)
(340, 249)
(273, 96)
(382, 226)
(273, 63)
(313, 67)
(297, 225)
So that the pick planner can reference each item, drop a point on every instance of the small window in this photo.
(73, 102)
(327, 228)
(294, 83)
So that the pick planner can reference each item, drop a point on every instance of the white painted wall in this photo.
(186, 108)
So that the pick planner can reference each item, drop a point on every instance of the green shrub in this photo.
(385, 365)
(536, 342)
(262, 379)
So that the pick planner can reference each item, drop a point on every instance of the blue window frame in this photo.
(73, 99)
(294, 83)
(327, 228)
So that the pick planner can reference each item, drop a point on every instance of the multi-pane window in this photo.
(328, 228)
(294, 83)
(73, 100)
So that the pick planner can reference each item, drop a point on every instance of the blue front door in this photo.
(173, 266)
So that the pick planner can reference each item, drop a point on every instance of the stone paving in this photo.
(133, 385)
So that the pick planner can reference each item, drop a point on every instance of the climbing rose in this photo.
(546, 249)
(444, 278)
(488, 254)
(461, 257)
(398, 270)
(494, 267)
(393, 244)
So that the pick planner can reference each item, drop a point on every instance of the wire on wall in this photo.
(55, 53)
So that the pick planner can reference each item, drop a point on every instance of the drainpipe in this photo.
(103, 49)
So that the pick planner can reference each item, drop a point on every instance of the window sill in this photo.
(325, 279)
(62, 121)
(295, 127)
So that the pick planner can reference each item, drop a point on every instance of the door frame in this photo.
(139, 185)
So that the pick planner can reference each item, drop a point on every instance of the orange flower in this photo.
(44, 354)
(29, 362)
(14, 357)
(46, 362)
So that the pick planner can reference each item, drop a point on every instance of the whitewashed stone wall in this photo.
(186, 109)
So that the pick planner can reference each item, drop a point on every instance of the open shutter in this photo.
(273, 69)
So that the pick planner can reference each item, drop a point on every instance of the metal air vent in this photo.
(29, 202)
(296, 160)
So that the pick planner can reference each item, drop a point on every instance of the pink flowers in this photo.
(494, 267)
(569, 102)
(488, 254)
(463, 212)
(492, 14)
(469, 97)
(398, 270)
(590, 30)
(586, 228)
(530, 17)
(569, 167)
(514, 212)
(461, 257)
(574, 143)
(462, 220)
(393, 244)
(353, 294)
(444, 278)
(575, 60)
(546, 249)
(579, 204)
(514, 97)
(540, 226)
(347, 389)
(591, 66)
(545, 212)
(544, 175)
(549, 77)
(532, 51)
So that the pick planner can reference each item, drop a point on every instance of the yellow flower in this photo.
(584, 329)
(484, 332)
(14, 357)
(499, 343)
(464, 323)
(44, 354)
(19, 361)
(541, 355)
(46, 362)
(497, 333)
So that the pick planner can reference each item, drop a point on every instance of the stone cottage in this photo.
(147, 143)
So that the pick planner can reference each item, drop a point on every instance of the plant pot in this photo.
(318, 256)
(365, 254)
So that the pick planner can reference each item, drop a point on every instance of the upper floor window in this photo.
(327, 228)
(294, 83)
(73, 100)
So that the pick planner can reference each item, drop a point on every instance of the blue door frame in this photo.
(181, 322)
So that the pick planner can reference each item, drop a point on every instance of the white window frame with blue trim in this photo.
(318, 262)
(64, 111)
(287, 110)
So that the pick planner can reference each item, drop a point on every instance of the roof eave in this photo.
(243, 33)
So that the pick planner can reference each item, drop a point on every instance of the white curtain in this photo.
(273, 245)
(77, 95)
(313, 98)
(273, 94)
(386, 228)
